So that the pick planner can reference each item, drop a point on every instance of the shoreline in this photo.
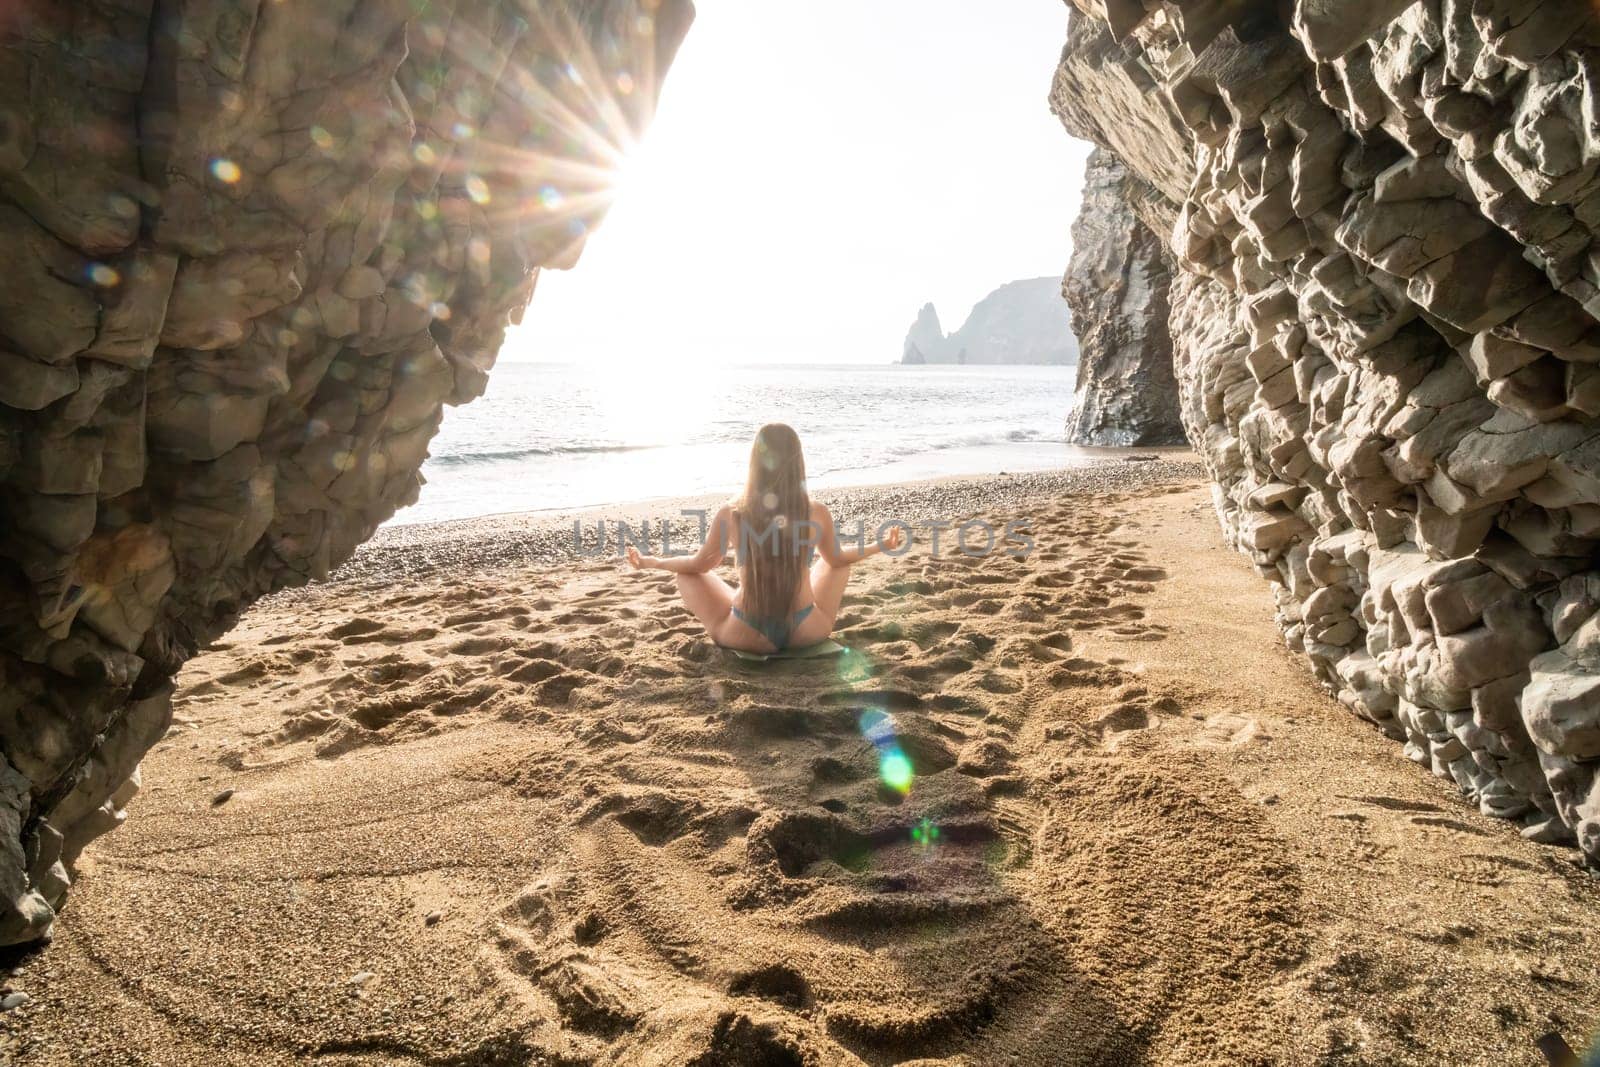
(508, 539)
(1095, 456)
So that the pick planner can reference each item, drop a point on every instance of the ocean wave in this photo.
(529, 453)
(896, 449)
(976, 439)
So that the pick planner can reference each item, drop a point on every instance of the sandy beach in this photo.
(479, 801)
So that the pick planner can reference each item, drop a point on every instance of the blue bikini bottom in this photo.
(779, 630)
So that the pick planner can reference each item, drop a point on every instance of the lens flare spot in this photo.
(854, 667)
(425, 155)
(894, 767)
(427, 209)
(549, 197)
(464, 131)
(877, 727)
(924, 834)
(321, 138)
(477, 189)
(440, 310)
(103, 275)
(625, 83)
(225, 170)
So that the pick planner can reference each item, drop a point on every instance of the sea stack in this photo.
(1117, 287)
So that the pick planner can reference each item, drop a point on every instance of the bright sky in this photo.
(817, 171)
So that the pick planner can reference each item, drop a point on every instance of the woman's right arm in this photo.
(710, 555)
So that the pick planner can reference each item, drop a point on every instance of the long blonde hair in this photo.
(770, 518)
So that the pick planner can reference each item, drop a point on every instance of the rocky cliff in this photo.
(925, 340)
(252, 249)
(1020, 322)
(1117, 288)
(1386, 321)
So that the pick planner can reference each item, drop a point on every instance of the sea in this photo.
(556, 437)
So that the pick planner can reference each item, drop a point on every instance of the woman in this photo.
(782, 600)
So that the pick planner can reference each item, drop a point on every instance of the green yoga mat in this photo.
(816, 651)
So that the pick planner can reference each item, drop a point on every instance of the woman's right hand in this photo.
(893, 539)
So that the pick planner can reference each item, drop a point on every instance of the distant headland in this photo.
(1020, 322)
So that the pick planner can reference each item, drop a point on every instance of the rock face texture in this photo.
(1117, 289)
(1020, 322)
(1387, 338)
(252, 249)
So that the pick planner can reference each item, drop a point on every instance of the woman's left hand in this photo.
(893, 539)
(638, 562)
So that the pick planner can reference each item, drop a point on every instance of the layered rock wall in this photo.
(1117, 287)
(252, 248)
(1387, 338)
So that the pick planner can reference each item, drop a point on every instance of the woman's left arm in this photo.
(839, 556)
(710, 555)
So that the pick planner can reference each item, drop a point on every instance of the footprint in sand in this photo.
(959, 704)
(356, 628)
(477, 646)
(855, 632)
(386, 636)
(533, 671)
(861, 699)
(580, 618)
(776, 982)
(654, 816)
(937, 672)
(1149, 632)
(1079, 672)
(1129, 715)
(1228, 730)
(770, 721)
(830, 770)
(559, 688)
(928, 634)
(985, 758)
(479, 615)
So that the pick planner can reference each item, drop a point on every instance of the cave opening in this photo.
(1075, 797)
